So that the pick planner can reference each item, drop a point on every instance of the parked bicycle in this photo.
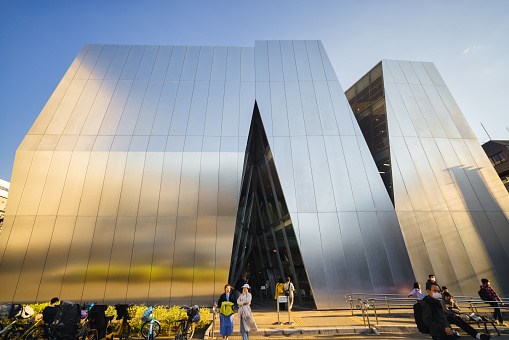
(98, 323)
(151, 327)
(185, 329)
(16, 328)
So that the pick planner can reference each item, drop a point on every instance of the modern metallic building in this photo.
(168, 171)
(452, 207)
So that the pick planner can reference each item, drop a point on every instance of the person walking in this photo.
(246, 320)
(494, 300)
(226, 303)
(289, 289)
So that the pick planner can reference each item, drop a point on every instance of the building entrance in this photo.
(265, 248)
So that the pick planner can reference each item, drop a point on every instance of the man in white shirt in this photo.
(289, 289)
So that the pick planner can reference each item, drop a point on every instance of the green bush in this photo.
(168, 317)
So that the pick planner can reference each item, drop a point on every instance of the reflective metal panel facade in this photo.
(452, 207)
(127, 186)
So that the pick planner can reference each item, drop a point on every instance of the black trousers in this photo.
(497, 315)
(453, 319)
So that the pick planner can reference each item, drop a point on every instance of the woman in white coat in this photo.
(246, 320)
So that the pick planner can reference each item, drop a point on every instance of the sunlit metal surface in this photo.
(127, 186)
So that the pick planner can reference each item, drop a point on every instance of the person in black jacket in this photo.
(49, 313)
(226, 321)
(453, 314)
(433, 315)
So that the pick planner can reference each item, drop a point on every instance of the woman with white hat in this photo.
(246, 320)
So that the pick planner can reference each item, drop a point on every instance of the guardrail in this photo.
(365, 301)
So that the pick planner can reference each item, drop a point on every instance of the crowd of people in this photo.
(439, 310)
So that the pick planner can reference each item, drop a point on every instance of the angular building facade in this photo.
(452, 207)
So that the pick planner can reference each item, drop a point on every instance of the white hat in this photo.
(246, 286)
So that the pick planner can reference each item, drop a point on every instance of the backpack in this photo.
(483, 294)
(66, 320)
(418, 318)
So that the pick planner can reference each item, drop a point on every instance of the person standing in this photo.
(289, 289)
(494, 300)
(454, 316)
(246, 320)
(226, 304)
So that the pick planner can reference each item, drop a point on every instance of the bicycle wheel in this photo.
(126, 332)
(38, 333)
(179, 334)
(145, 329)
(14, 335)
(190, 332)
(82, 332)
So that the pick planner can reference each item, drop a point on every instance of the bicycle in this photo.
(123, 331)
(185, 329)
(17, 328)
(151, 328)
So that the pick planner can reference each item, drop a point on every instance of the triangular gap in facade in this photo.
(367, 100)
(265, 247)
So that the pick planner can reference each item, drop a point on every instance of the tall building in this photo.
(452, 207)
(498, 153)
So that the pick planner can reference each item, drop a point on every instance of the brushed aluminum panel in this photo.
(141, 261)
(325, 201)
(162, 261)
(99, 260)
(133, 62)
(355, 253)
(325, 109)
(433, 74)
(132, 108)
(329, 70)
(355, 166)
(311, 250)
(35, 258)
(209, 178)
(344, 116)
(455, 112)
(99, 107)
(103, 62)
(224, 242)
(247, 64)
(230, 121)
(176, 62)
(401, 199)
(170, 181)
(189, 182)
(433, 123)
(396, 72)
(421, 73)
(441, 112)
(261, 61)
(315, 60)
(180, 115)
(183, 261)
(501, 226)
(20, 171)
(190, 63)
(165, 108)
(264, 106)
(146, 117)
(151, 184)
(279, 111)
(301, 60)
(117, 279)
(161, 63)
(67, 105)
(219, 63)
(54, 183)
(275, 62)
(92, 187)
(387, 75)
(400, 112)
(284, 165)
(288, 61)
(247, 100)
(341, 186)
(76, 62)
(116, 106)
(294, 106)
(79, 115)
(414, 112)
(34, 185)
(131, 185)
(304, 191)
(147, 62)
(89, 61)
(77, 261)
(233, 64)
(204, 262)
(392, 122)
(196, 123)
(118, 62)
(112, 184)
(14, 255)
(334, 261)
(214, 117)
(48, 143)
(311, 115)
(56, 258)
(229, 177)
(204, 67)
(408, 72)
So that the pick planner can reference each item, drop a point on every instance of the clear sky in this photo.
(467, 40)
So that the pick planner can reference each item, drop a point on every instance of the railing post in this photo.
(374, 310)
(214, 310)
(351, 304)
(388, 307)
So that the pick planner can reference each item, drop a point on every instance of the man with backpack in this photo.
(49, 313)
(433, 315)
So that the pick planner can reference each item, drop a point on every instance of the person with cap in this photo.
(454, 316)
(226, 303)
(246, 320)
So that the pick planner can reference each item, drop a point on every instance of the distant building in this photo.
(4, 193)
(498, 153)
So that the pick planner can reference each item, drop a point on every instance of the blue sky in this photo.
(467, 40)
